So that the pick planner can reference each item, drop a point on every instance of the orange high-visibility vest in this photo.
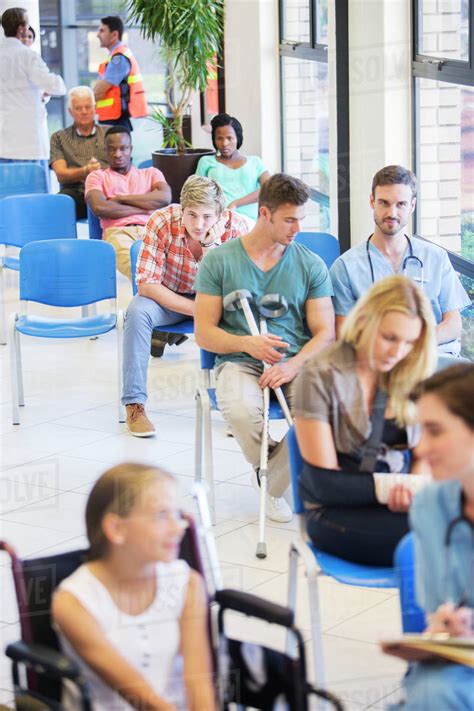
(110, 107)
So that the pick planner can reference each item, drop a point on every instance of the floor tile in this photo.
(70, 435)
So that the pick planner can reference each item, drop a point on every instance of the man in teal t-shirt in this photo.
(266, 261)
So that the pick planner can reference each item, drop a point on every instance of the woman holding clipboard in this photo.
(442, 519)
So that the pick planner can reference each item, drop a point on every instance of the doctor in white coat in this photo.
(24, 78)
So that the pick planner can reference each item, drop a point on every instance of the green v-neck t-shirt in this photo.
(298, 276)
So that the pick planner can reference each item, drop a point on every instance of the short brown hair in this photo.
(12, 19)
(117, 491)
(281, 189)
(394, 175)
(454, 386)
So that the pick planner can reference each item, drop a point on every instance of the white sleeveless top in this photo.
(149, 641)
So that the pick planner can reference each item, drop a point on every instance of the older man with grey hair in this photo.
(79, 149)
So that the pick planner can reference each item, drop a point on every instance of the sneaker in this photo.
(276, 509)
(137, 422)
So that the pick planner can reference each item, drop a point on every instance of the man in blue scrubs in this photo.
(389, 250)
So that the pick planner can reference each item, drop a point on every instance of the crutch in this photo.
(240, 299)
(269, 306)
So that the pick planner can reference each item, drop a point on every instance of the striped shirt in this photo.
(67, 144)
(165, 258)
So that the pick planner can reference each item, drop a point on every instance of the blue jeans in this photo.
(143, 315)
(43, 163)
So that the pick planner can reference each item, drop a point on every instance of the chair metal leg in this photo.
(209, 461)
(198, 438)
(313, 572)
(19, 370)
(291, 595)
(14, 371)
(121, 409)
(3, 310)
(207, 536)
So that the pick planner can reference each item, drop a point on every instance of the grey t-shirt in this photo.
(298, 276)
(328, 390)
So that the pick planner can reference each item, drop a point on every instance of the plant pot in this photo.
(176, 167)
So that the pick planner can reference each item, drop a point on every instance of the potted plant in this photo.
(190, 33)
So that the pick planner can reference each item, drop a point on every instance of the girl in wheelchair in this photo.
(134, 617)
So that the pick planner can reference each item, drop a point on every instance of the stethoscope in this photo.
(411, 257)
(448, 562)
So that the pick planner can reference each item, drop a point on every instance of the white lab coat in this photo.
(23, 118)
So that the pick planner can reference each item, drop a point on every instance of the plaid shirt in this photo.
(165, 258)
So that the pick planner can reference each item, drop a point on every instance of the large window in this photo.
(443, 71)
(70, 47)
(305, 108)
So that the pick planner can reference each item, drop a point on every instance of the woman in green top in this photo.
(239, 176)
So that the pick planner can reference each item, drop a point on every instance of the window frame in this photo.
(450, 71)
(439, 68)
(316, 52)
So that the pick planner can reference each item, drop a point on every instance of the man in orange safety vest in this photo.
(119, 93)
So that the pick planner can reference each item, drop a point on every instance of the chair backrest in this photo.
(413, 617)
(134, 249)
(146, 163)
(22, 179)
(67, 272)
(323, 244)
(28, 218)
(296, 465)
(95, 230)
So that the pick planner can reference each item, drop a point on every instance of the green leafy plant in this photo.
(190, 34)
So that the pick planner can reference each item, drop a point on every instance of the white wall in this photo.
(252, 75)
(380, 98)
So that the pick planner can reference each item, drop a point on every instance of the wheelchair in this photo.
(39, 668)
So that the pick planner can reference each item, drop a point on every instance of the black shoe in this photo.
(176, 339)
(158, 344)
(159, 339)
(172, 339)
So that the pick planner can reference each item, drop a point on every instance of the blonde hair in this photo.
(400, 294)
(198, 190)
(117, 491)
(80, 92)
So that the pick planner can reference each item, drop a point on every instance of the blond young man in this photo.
(176, 238)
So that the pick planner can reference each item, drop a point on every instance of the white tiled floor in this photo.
(69, 435)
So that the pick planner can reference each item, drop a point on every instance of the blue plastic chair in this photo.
(413, 617)
(22, 179)
(206, 402)
(28, 218)
(146, 163)
(64, 273)
(184, 327)
(318, 563)
(323, 244)
(95, 230)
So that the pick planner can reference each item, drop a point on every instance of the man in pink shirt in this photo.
(123, 197)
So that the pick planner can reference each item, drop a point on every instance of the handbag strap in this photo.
(371, 447)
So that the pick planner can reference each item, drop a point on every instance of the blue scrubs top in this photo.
(351, 278)
(439, 578)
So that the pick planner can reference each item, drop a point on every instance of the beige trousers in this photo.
(240, 399)
(121, 239)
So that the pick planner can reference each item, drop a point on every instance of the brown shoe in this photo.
(137, 422)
